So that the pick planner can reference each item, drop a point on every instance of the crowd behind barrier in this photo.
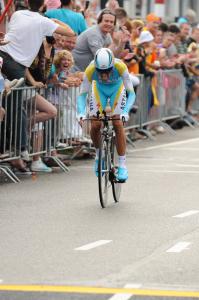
(40, 120)
(64, 132)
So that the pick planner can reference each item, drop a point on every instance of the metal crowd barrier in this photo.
(161, 99)
(20, 131)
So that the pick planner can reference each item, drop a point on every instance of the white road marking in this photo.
(165, 145)
(187, 214)
(125, 296)
(179, 247)
(183, 149)
(169, 171)
(187, 166)
(93, 245)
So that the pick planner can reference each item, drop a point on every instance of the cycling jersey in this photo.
(114, 88)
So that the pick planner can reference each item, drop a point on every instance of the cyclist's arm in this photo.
(84, 90)
(130, 92)
(81, 100)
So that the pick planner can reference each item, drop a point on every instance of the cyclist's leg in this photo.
(120, 134)
(118, 102)
(95, 106)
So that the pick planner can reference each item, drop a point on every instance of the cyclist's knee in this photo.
(96, 125)
(118, 126)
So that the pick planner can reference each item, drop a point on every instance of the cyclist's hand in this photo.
(124, 117)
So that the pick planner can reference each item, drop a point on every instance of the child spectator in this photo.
(60, 74)
(61, 78)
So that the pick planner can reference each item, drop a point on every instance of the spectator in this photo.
(121, 16)
(190, 17)
(2, 113)
(60, 73)
(69, 43)
(27, 29)
(163, 27)
(20, 4)
(59, 42)
(52, 4)
(142, 52)
(112, 5)
(174, 33)
(194, 37)
(182, 45)
(158, 38)
(152, 23)
(137, 27)
(62, 78)
(96, 37)
(66, 14)
(37, 76)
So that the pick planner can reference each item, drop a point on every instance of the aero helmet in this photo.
(104, 60)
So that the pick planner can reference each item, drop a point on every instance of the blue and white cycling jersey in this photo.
(114, 88)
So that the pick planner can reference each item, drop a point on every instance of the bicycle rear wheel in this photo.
(116, 186)
(103, 173)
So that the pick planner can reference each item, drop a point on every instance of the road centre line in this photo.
(187, 214)
(98, 290)
(125, 296)
(179, 247)
(165, 145)
(93, 245)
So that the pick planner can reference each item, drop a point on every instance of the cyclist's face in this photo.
(104, 76)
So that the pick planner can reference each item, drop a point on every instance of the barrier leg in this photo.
(6, 170)
(146, 133)
(168, 128)
(60, 164)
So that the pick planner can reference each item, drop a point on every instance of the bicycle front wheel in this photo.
(116, 186)
(103, 172)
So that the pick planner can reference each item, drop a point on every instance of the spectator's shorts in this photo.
(190, 82)
(102, 92)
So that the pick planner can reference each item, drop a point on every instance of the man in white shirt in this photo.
(27, 29)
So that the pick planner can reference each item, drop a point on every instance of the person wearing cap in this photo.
(143, 52)
(152, 23)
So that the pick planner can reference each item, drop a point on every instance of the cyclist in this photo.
(109, 78)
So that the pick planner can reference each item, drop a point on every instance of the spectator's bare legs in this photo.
(193, 97)
(46, 110)
(2, 113)
(38, 138)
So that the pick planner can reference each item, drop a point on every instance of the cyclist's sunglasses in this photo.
(106, 71)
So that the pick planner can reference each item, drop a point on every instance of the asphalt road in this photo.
(54, 233)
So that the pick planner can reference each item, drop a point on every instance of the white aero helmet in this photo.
(104, 60)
